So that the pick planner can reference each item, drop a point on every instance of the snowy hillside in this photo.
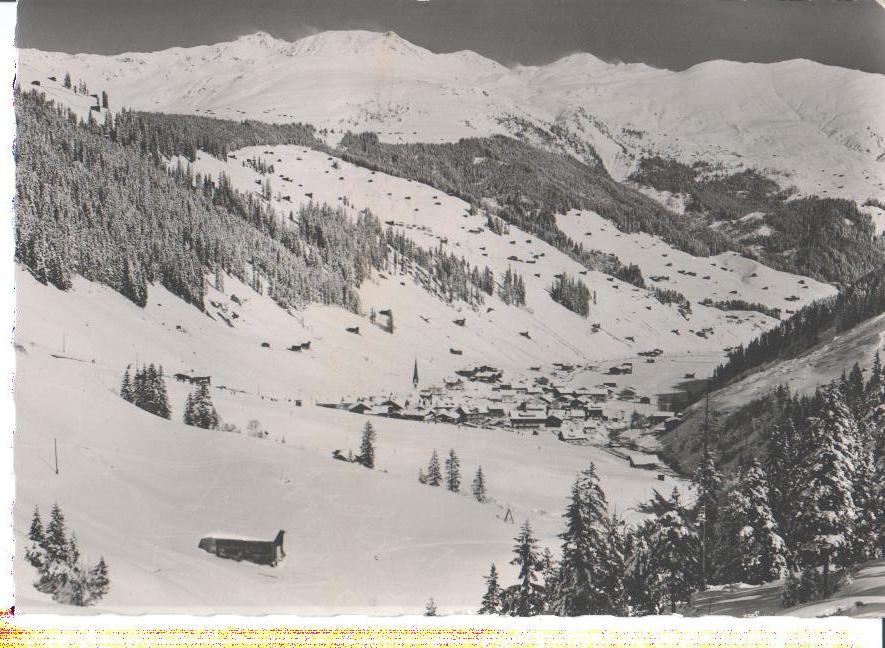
(141, 491)
(630, 319)
(819, 128)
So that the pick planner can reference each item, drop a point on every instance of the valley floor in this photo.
(141, 491)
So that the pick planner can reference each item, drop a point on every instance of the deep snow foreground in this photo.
(141, 491)
(862, 597)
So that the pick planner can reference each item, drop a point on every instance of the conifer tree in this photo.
(367, 446)
(780, 468)
(876, 383)
(430, 608)
(587, 577)
(491, 600)
(550, 574)
(707, 482)
(868, 498)
(199, 410)
(479, 486)
(434, 475)
(126, 386)
(826, 511)
(641, 584)
(35, 554)
(674, 553)
(162, 407)
(99, 581)
(762, 549)
(526, 597)
(453, 472)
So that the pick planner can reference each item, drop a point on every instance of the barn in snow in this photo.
(262, 552)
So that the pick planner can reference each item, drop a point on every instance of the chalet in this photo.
(471, 415)
(262, 552)
(497, 412)
(572, 436)
(193, 380)
(659, 417)
(621, 369)
(643, 460)
(417, 415)
(359, 408)
(447, 416)
(594, 412)
(454, 384)
(595, 395)
(391, 406)
(527, 421)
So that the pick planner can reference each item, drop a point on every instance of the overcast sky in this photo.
(665, 33)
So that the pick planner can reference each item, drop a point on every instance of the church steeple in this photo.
(415, 374)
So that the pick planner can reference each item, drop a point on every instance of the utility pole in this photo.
(55, 446)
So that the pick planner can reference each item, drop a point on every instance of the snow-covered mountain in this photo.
(820, 128)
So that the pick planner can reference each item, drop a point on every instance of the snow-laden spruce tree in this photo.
(367, 446)
(762, 550)
(57, 561)
(526, 597)
(479, 486)
(869, 499)
(434, 474)
(491, 600)
(675, 552)
(781, 465)
(126, 392)
(641, 583)
(826, 510)
(453, 472)
(587, 580)
(707, 483)
(199, 410)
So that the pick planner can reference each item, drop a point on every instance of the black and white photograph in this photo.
(500, 308)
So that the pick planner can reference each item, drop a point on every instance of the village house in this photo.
(643, 460)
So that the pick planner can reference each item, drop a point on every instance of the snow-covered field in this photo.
(142, 491)
(817, 127)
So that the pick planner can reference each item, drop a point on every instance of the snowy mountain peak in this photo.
(260, 39)
(356, 43)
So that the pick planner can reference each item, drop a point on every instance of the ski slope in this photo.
(142, 491)
(817, 127)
